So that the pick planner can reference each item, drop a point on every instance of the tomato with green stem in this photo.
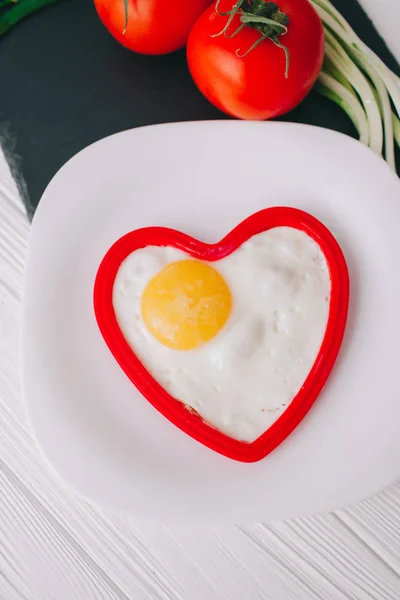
(255, 59)
(150, 26)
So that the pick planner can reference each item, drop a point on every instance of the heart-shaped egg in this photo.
(233, 341)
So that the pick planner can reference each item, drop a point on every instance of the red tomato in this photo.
(154, 26)
(255, 86)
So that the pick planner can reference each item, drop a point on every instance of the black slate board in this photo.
(66, 83)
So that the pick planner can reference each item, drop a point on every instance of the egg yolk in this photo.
(186, 304)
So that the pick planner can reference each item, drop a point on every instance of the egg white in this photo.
(242, 380)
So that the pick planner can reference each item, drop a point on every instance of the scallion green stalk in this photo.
(19, 10)
(331, 88)
(365, 87)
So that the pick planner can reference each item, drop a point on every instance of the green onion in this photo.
(360, 82)
(17, 10)
(396, 128)
(331, 88)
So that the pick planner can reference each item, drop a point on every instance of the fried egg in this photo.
(234, 339)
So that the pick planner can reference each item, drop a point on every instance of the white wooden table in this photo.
(54, 546)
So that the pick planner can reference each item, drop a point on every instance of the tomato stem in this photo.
(126, 10)
(249, 19)
(276, 41)
(231, 13)
(261, 39)
(238, 30)
(264, 16)
(220, 13)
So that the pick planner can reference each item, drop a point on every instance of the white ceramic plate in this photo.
(99, 434)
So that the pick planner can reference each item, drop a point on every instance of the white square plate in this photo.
(203, 178)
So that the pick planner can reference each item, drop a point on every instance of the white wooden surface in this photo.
(54, 546)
